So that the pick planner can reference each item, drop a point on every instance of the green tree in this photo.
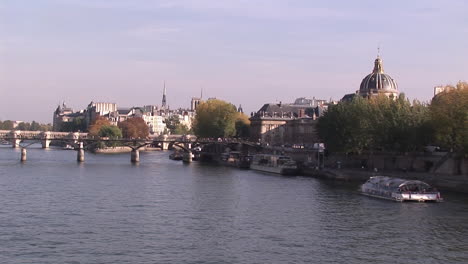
(24, 126)
(134, 128)
(215, 118)
(343, 127)
(242, 125)
(378, 123)
(35, 126)
(45, 127)
(175, 127)
(77, 124)
(7, 125)
(449, 116)
(112, 132)
(181, 129)
(172, 122)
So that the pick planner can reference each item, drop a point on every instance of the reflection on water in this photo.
(106, 210)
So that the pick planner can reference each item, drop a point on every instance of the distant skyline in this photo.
(247, 52)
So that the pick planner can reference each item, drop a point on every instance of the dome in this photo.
(378, 82)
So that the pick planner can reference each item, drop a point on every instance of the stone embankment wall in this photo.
(113, 150)
(442, 170)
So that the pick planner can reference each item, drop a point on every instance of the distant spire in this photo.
(239, 109)
(164, 102)
(201, 93)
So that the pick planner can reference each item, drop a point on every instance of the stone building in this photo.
(64, 114)
(94, 110)
(280, 124)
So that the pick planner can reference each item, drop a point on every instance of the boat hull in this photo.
(400, 190)
(277, 170)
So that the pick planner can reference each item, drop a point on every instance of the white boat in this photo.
(68, 147)
(283, 165)
(400, 190)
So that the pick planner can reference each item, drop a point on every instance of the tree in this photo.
(97, 124)
(6, 125)
(215, 118)
(23, 126)
(242, 126)
(175, 127)
(35, 126)
(112, 132)
(343, 127)
(134, 128)
(378, 123)
(46, 127)
(449, 117)
(181, 129)
(77, 124)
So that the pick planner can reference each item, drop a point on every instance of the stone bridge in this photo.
(15, 137)
(24, 139)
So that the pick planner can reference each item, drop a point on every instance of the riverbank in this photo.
(443, 182)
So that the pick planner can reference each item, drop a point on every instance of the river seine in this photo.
(106, 210)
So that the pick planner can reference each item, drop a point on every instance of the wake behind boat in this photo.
(400, 190)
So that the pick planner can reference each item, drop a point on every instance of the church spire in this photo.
(164, 102)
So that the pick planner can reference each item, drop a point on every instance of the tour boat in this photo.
(68, 147)
(176, 155)
(400, 190)
(235, 159)
(283, 165)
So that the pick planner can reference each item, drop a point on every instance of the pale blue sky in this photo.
(248, 52)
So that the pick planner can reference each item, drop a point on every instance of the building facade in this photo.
(283, 124)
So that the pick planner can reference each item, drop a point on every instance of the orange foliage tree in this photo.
(97, 124)
(134, 128)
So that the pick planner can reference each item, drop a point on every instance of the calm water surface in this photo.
(106, 210)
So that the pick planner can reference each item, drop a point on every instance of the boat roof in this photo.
(394, 182)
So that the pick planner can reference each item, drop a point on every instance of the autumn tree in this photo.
(215, 118)
(134, 128)
(97, 124)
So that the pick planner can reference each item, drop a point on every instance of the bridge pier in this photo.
(80, 153)
(188, 145)
(188, 157)
(135, 156)
(23, 154)
(15, 143)
(165, 145)
(45, 143)
(45, 139)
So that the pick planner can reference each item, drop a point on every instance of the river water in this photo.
(106, 210)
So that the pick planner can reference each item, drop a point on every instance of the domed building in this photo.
(378, 83)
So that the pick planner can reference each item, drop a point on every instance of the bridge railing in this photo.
(34, 135)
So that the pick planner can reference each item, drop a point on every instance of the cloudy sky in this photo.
(248, 52)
